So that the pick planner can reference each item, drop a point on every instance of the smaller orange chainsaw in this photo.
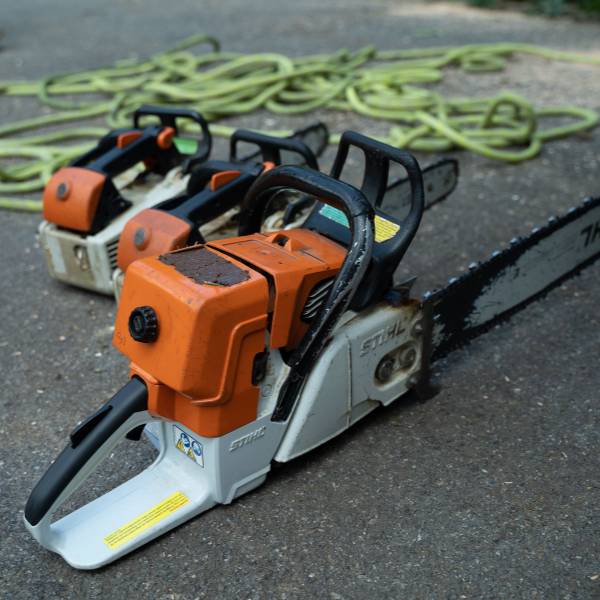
(87, 203)
(214, 194)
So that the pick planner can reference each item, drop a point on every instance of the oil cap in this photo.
(143, 324)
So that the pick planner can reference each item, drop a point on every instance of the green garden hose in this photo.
(394, 85)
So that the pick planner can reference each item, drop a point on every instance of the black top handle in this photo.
(271, 148)
(360, 216)
(172, 117)
(375, 179)
(392, 236)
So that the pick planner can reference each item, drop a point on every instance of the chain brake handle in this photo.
(378, 157)
(393, 236)
(169, 117)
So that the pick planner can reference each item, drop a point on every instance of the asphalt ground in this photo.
(489, 490)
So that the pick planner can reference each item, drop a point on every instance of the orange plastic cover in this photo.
(126, 138)
(164, 140)
(212, 319)
(214, 304)
(149, 233)
(296, 260)
(222, 178)
(71, 198)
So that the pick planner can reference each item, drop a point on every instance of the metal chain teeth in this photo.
(504, 255)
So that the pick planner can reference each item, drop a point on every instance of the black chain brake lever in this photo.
(392, 236)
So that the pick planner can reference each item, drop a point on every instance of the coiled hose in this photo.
(390, 85)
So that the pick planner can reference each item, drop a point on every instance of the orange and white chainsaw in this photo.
(130, 172)
(87, 203)
(261, 347)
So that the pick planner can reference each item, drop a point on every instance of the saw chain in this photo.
(491, 291)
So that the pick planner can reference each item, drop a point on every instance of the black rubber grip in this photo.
(86, 439)
(360, 215)
(271, 148)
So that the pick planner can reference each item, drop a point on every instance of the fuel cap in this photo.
(143, 324)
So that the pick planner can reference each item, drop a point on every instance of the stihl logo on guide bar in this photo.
(247, 439)
(592, 233)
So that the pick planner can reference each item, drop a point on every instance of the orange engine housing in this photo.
(160, 232)
(71, 198)
(218, 306)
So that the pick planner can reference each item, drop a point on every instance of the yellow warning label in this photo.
(150, 517)
(385, 230)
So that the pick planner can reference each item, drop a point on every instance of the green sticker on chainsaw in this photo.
(384, 229)
(186, 145)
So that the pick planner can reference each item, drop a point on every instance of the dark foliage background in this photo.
(549, 7)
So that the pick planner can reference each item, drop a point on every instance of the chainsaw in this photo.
(261, 347)
(213, 211)
(87, 205)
